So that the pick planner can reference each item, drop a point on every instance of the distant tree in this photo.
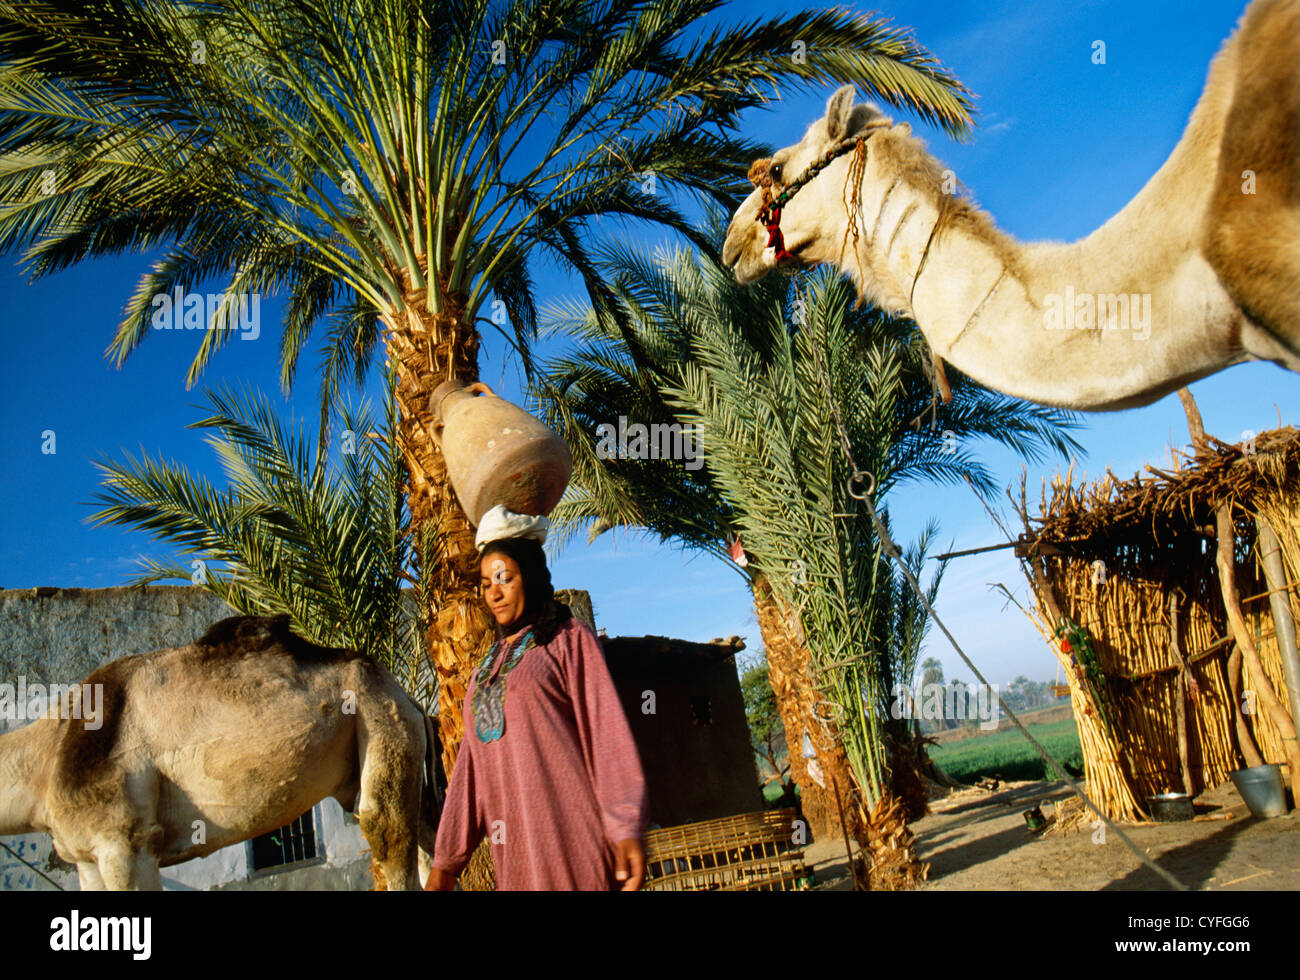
(767, 734)
(931, 673)
(956, 697)
(1040, 692)
(1015, 696)
(1030, 694)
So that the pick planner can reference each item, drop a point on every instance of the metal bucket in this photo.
(1262, 789)
(1171, 807)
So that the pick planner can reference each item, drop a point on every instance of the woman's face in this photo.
(503, 587)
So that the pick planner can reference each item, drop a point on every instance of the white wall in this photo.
(346, 853)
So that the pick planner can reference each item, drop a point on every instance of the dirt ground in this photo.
(978, 840)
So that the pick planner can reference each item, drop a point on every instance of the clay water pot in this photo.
(496, 453)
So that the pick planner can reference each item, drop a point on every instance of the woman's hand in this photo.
(629, 863)
(440, 881)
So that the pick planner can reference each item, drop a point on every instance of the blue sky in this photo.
(1062, 144)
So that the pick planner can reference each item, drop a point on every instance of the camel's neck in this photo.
(1115, 320)
(26, 758)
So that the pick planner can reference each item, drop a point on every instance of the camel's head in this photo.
(809, 219)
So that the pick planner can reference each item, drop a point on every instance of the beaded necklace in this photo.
(490, 694)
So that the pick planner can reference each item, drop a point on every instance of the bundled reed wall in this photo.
(1155, 538)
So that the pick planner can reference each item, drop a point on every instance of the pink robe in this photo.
(561, 785)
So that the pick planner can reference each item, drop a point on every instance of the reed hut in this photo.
(1163, 633)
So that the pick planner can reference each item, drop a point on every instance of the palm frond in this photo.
(286, 535)
(767, 375)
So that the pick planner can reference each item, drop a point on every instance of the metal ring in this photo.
(860, 477)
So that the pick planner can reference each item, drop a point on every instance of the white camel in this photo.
(205, 745)
(1201, 270)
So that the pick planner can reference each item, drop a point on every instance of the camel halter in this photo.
(769, 215)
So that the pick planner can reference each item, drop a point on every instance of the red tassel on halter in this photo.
(774, 237)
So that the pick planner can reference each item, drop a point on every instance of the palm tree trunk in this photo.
(883, 833)
(907, 762)
(428, 349)
(788, 672)
(892, 846)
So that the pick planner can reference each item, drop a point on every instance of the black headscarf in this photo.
(547, 613)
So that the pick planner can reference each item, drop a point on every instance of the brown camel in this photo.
(205, 745)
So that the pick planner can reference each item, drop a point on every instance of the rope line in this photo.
(866, 479)
(33, 867)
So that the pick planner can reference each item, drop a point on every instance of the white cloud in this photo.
(993, 127)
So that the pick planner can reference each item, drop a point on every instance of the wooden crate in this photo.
(749, 852)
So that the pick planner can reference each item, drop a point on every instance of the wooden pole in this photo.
(1263, 687)
(1279, 603)
(1194, 422)
(1245, 741)
(1180, 695)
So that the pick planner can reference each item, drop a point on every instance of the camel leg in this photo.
(431, 798)
(114, 856)
(389, 829)
(390, 800)
(128, 860)
(145, 875)
(424, 865)
(122, 869)
(89, 877)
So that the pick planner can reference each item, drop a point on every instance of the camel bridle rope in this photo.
(760, 175)
(769, 216)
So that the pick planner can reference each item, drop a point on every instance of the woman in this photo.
(548, 770)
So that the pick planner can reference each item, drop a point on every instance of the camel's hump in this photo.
(241, 635)
(85, 755)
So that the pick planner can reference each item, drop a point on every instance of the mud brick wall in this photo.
(53, 635)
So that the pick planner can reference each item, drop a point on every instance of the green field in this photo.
(1008, 754)
(1005, 754)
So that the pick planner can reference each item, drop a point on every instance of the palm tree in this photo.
(395, 168)
(931, 674)
(905, 624)
(329, 549)
(689, 346)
